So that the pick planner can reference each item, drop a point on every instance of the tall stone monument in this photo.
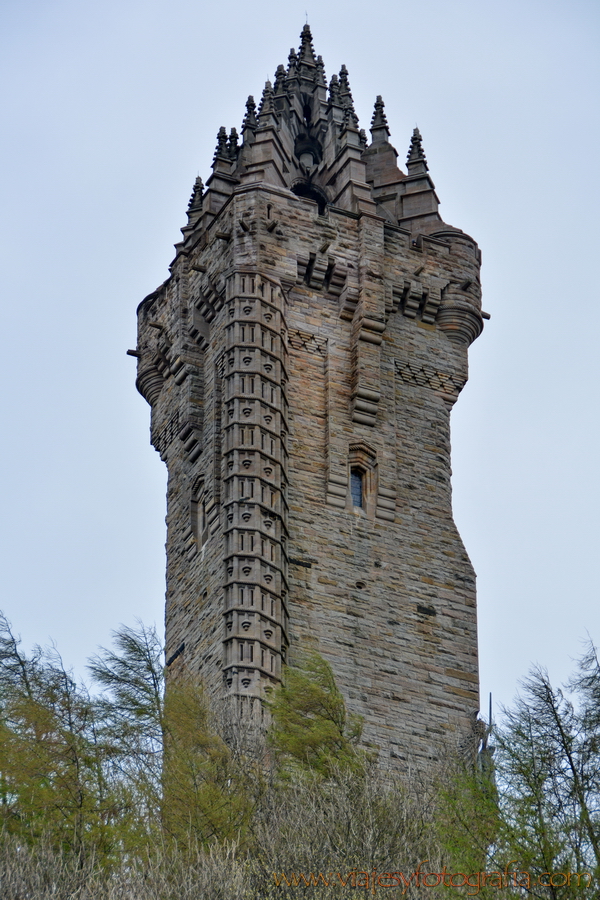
(301, 362)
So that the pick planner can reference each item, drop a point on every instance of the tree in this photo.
(310, 724)
(131, 716)
(52, 779)
(179, 779)
(541, 812)
(548, 773)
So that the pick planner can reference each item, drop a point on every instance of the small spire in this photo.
(345, 95)
(292, 63)
(379, 119)
(250, 123)
(221, 150)
(416, 161)
(280, 76)
(379, 124)
(232, 144)
(363, 137)
(321, 71)
(307, 51)
(345, 92)
(334, 91)
(266, 103)
(350, 119)
(196, 198)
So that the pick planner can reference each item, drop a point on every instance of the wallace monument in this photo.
(301, 362)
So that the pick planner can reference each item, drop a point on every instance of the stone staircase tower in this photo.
(301, 362)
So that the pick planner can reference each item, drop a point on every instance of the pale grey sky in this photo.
(112, 109)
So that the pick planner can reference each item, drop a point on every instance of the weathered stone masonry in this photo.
(301, 362)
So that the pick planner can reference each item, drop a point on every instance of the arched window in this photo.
(362, 479)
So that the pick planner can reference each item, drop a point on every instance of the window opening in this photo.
(356, 487)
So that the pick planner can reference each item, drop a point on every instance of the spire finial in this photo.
(292, 63)
(280, 76)
(416, 161)
(334, 91)
(379, 117)
(221, 149)
(266, 103)
(345, 97)
(196, 198)
(321, 71)
(350, 119)
(306, 53)
(379, 124)
(232, 144)
(250, 123)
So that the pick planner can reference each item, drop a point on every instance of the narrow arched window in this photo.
(356, 486)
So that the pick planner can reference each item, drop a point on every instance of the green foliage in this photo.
(541, 813)
(112, 774)
(311, 727)
(52, 779)
(207, 788)
(130, 716)
(548, 773)
(140, 790)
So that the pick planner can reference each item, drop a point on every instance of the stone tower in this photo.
(301, 362)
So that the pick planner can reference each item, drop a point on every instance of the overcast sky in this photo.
(112, 109)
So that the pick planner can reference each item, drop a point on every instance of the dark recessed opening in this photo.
(310, 192)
